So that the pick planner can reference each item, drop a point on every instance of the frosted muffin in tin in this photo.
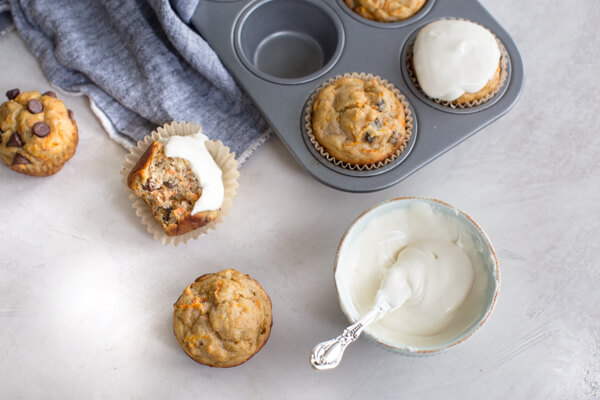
(457, 61)
(385, 10)
(359, 120)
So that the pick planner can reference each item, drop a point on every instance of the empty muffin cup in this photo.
(289, 41)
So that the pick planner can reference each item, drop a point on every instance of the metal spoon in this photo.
(328, 354)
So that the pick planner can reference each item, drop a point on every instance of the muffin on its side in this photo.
(385, 10)
(170, 188)
(358, 121)
(38, 135)
(222, 319)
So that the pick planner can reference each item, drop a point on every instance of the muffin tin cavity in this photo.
(420, 14)
(289, 41)
(409, 76)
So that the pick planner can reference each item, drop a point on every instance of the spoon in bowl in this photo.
(393, 292)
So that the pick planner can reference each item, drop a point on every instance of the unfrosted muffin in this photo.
(456, 61)
(170, 188)
(385, 10)
(38, 135)
(222, 319)
(358, 121)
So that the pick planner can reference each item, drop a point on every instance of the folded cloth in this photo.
(5, 19)
(141, 66)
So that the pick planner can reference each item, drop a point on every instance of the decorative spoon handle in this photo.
(328, 354)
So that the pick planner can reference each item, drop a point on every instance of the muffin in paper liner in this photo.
(359, 167)
(224, 158)
(503, 73)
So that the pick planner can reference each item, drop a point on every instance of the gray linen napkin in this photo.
(140, 64)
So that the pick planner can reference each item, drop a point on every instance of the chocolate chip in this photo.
(50, 93)
(381, 105)
(71, 115)
(34, 106)
(151, 185)
(41, 129)
(11, 94)
(369, 137)
(168, 212)
(19, 160)
(15, 141)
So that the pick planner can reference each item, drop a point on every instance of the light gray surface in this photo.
(86, 293)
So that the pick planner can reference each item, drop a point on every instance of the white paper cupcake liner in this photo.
(408, 117)
(224, 158)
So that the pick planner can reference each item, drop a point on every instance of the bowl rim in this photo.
(412, 351)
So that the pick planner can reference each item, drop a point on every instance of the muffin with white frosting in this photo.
(457, 61)
(180, 182)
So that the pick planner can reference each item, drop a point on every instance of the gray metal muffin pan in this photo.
(281, 51)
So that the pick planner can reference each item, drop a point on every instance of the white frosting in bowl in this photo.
(453, 57)
(193, 149)
(429, 281)
(428, 259)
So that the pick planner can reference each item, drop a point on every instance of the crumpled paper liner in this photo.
(358, 167)
(224, 158)
(503, 74)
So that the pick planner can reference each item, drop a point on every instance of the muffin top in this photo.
(37, 133)
(358, 121)
(454, 57)
(222, 319)
(385, 10)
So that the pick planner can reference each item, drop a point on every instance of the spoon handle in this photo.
(328, 354)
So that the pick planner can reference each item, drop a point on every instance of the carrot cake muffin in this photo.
(38, 135)
(222, 319)
(456, 61)
(358, 121)
(385, 10)
(180, 182)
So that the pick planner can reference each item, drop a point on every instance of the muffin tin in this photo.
(281, 51)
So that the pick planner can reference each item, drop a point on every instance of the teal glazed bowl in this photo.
(480, 300)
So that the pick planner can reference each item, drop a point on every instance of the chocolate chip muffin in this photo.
(385, 10)
(358, 121)
(170, 188)
(38, 135)
(222, 319)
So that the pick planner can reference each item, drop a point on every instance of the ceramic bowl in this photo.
(486, 284)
